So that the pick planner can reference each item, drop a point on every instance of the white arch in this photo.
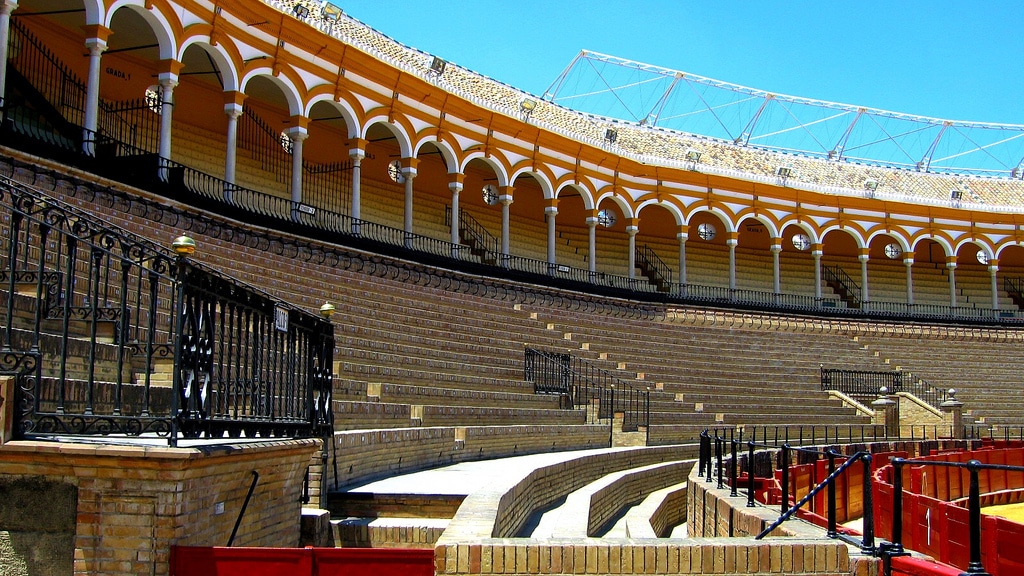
(946, 246)
(221, 59)
(805, 226)
(545, 185)
(347, 113)
(861, 243)
(94, 12)
(291, 93)
(157, 23)
(627, 210)
(903, 242)
(404, 142)
(672, 209)
(773, 232)
(726, 220)
(450, 161)
(499, 170)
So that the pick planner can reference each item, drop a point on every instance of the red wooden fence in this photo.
(216, 561)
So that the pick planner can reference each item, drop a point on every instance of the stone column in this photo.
(6, 8)
(592, 241)
(887, 413)
(505, 199)
(682, 236)
(865, 296)
(233, 110)
(456, 187)
(953, 414)
(908, 261)
(409, 166)
(951, 266)
(168, 80)
(356, 153)
(298, 135)
(96, 43)
(993, 271)
(776, 248)
(551, 211)
(731, 243)
(816, 254)
(631, 231)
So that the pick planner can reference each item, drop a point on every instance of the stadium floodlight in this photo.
(611, 135)
(527, 105)
(784, 171)
(330, 12)
(693, 155)
(301, 11)
(956, 195)
(871, 184)
(437, 66)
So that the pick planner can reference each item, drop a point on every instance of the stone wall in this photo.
(135, 502)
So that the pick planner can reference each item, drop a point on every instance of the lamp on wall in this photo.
(956, 195)
(331, 13)
(693, 155)
(611, 135)
(437, 66)
(784, 171)
(871, 185)
(301, 11)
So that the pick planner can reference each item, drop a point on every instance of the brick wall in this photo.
(135, 502)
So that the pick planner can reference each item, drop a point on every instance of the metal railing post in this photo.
(974, 509)
(750, 474)
(832, 532)
(868, 540)
(718, 457)
(732, 476)
(897, 505)
(784, 466)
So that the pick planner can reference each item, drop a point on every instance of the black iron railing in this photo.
(587, 386)
(870, 383)
(654, 267)
(474, 234)
(841, 282)
(108, 333)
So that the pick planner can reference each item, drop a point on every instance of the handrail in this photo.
(836, 275)
(583, 383)
(870, 383)
(652, 264)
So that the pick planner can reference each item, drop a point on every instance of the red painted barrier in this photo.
(910, 566)
(216, 561)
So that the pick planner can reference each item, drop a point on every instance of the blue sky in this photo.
(953, 60)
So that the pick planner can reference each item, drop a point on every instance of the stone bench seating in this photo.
(400, 374)
(657, 514)
(589, 511)
(349, 415)
(401, 393)
(432, 415)
(366, 455)
(429, 362)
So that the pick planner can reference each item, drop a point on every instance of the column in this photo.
(6, 8)
(908, 261)
(682, 236)
(731, 242)
(168, 80)
(951, 266)
(298, 135)
(592, 242)
(456, 187)
(993, 269)
(233, 112)
(96, 42)
(356, 153)
(409, 166)
(816, 254)
(631, 230)
(551, 211)
(505, 198)
(776, 272)
(864, 294)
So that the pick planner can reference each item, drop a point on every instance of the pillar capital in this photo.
(96, 35)
(775, 248)
(169, 68)
(950, 262)
(297, 133)
(8, 6)
(233, 98)
(298, 121)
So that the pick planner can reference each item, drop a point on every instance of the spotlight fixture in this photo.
(693, 155)
(437, 66)
(527, 105)
(784, 171)
(956, 195)
(331, 13)
(611, 135)
(301, 11)
(871, 184)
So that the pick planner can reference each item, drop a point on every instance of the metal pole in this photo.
(750, 475)
(732, 475)
(868, 541)
(718, 456)
(897, 505)
(784, 465)
(974, 509)
(832, 533)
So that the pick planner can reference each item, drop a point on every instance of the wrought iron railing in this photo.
(842, 283)
(869, 383)
(108, 333)
(474, 233)
(654, 267)
(587, 386)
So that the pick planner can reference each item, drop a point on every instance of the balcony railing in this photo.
(109, 334)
